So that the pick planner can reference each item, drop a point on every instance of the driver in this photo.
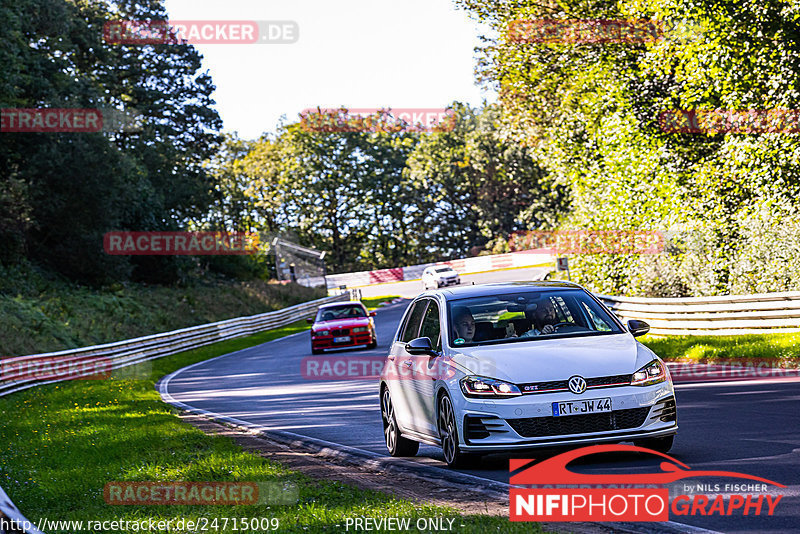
(543, 319)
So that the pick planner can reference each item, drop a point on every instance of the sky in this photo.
(352, 53)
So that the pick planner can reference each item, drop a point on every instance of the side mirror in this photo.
(420, 347)
(310, 320)
(373, 314)
(638, 328)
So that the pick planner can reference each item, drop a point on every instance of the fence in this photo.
(511, 260)
(727, 315)
(125, 353)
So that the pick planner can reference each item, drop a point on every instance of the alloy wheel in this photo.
(447, 430)
(389, 425)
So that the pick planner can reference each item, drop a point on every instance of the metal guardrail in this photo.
(17, 371)
(763, 313)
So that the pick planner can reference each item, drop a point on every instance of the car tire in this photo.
(448, 435)
(398, 445)
(657, 444)
(374, 343)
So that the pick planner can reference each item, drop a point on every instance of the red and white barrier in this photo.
(513, 260)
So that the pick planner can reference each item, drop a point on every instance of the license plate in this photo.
(581, 407)
(343, 339)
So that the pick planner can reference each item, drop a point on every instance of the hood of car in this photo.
(555, 359)
(350, 322)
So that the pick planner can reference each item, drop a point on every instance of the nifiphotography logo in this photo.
(550, 491)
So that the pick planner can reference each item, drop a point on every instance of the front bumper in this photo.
(528, 421)
(326, 342)
(445, 282)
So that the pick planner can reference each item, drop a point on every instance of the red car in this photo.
(342, 324)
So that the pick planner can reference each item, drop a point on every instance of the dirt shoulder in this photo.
(469, 500)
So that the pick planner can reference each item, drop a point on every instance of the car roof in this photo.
(343, 303)
(487, 290)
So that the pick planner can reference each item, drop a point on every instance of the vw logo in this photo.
(577, 384)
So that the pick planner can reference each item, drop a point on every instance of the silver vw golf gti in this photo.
(500, 367)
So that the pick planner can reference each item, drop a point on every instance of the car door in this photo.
(399, 372)
(421, 386)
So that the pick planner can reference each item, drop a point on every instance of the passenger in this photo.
(464, 323)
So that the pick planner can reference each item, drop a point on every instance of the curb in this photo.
(353, 456)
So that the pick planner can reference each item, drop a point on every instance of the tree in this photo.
(64, 190)
(474, 186)
(592, 114)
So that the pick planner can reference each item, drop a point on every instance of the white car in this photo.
(439, 276)
(502, 367)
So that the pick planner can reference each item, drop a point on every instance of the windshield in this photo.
(527, 316)
(444, 270)
(341, 312)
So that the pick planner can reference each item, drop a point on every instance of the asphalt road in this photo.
(751, 428)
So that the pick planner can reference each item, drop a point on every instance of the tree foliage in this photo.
(591, 112)
(60, 192)
(391, 197)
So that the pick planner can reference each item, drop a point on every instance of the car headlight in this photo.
(322, 333)
(652, 373)
(360, 329)
(479, 386)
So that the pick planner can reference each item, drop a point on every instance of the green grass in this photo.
(39, 314)
(61, 443)
(374, 302)
(710, 349)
